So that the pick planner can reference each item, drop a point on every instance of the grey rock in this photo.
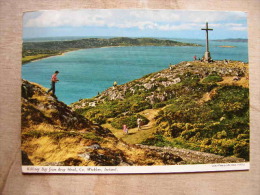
(85, 156)
(94, 146)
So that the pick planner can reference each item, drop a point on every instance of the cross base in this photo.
(207, 57)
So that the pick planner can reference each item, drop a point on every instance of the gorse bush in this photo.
(231, 100)
(220, 125)
(115, 108)
(212, 78)
(157, 140)
(241, 149)
(129, 121)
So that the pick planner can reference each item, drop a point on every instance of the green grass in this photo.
(213, 78)
(35, 57)
(60, 134)
(129, 121)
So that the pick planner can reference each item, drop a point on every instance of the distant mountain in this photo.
(232, 40)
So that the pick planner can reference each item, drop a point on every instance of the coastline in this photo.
(62, 53)
(51, 49)
(48, 56)
(227, 46)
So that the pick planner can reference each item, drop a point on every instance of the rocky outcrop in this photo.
(39, 107)
(193, 156)
(153, 84)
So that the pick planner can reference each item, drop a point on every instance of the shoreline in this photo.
(47, 56)
(61, 54)
(227, 46)
(43, 56)
(53, 55)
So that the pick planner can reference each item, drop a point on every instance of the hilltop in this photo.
(38, 50)
(193, 105)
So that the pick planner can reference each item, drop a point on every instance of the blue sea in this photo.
(84, 73)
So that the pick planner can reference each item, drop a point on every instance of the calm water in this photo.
(86, 72)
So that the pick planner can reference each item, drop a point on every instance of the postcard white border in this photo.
(136, 169)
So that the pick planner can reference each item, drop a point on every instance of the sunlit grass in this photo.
(34, 57)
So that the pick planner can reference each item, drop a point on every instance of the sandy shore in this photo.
(227, 46)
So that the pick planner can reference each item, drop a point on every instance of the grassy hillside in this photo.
(201, 106)
(54, 135)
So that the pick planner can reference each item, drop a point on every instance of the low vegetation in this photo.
(219, 126)
(129, 121)
(199, 109)
(54, 135)
(191, 106)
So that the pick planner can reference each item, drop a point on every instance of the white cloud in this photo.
(209, 16)
(242, 28)
(69, 18)
(233, 24)
(155, 15)
(236, 26)
(165, 20)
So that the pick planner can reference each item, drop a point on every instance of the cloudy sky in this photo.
(134, 23)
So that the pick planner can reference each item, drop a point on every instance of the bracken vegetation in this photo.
(201, 107)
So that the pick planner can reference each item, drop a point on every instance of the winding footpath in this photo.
(134, 136)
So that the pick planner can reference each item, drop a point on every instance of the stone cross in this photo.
(207, 53)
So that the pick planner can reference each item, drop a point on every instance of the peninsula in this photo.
(38, 50)
(227, 46)
(231, 40)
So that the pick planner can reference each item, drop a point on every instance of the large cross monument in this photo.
(207, 57)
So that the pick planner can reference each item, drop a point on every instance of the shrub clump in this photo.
(212, 78)
(129, 121)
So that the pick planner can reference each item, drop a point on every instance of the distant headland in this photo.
(38, 50)
(232, 40)
(227, 46)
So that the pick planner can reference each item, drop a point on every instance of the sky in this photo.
(134, 23)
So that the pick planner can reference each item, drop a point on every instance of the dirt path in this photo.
(134, 136)
(208, 96)
(244, 82)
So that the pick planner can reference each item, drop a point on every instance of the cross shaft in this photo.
(207, 36)
(207, 53)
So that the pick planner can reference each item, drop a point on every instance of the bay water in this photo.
(86, 72)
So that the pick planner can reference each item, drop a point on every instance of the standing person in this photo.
(195, 58)
(54, 80)
(125, 129)
(139, 122)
